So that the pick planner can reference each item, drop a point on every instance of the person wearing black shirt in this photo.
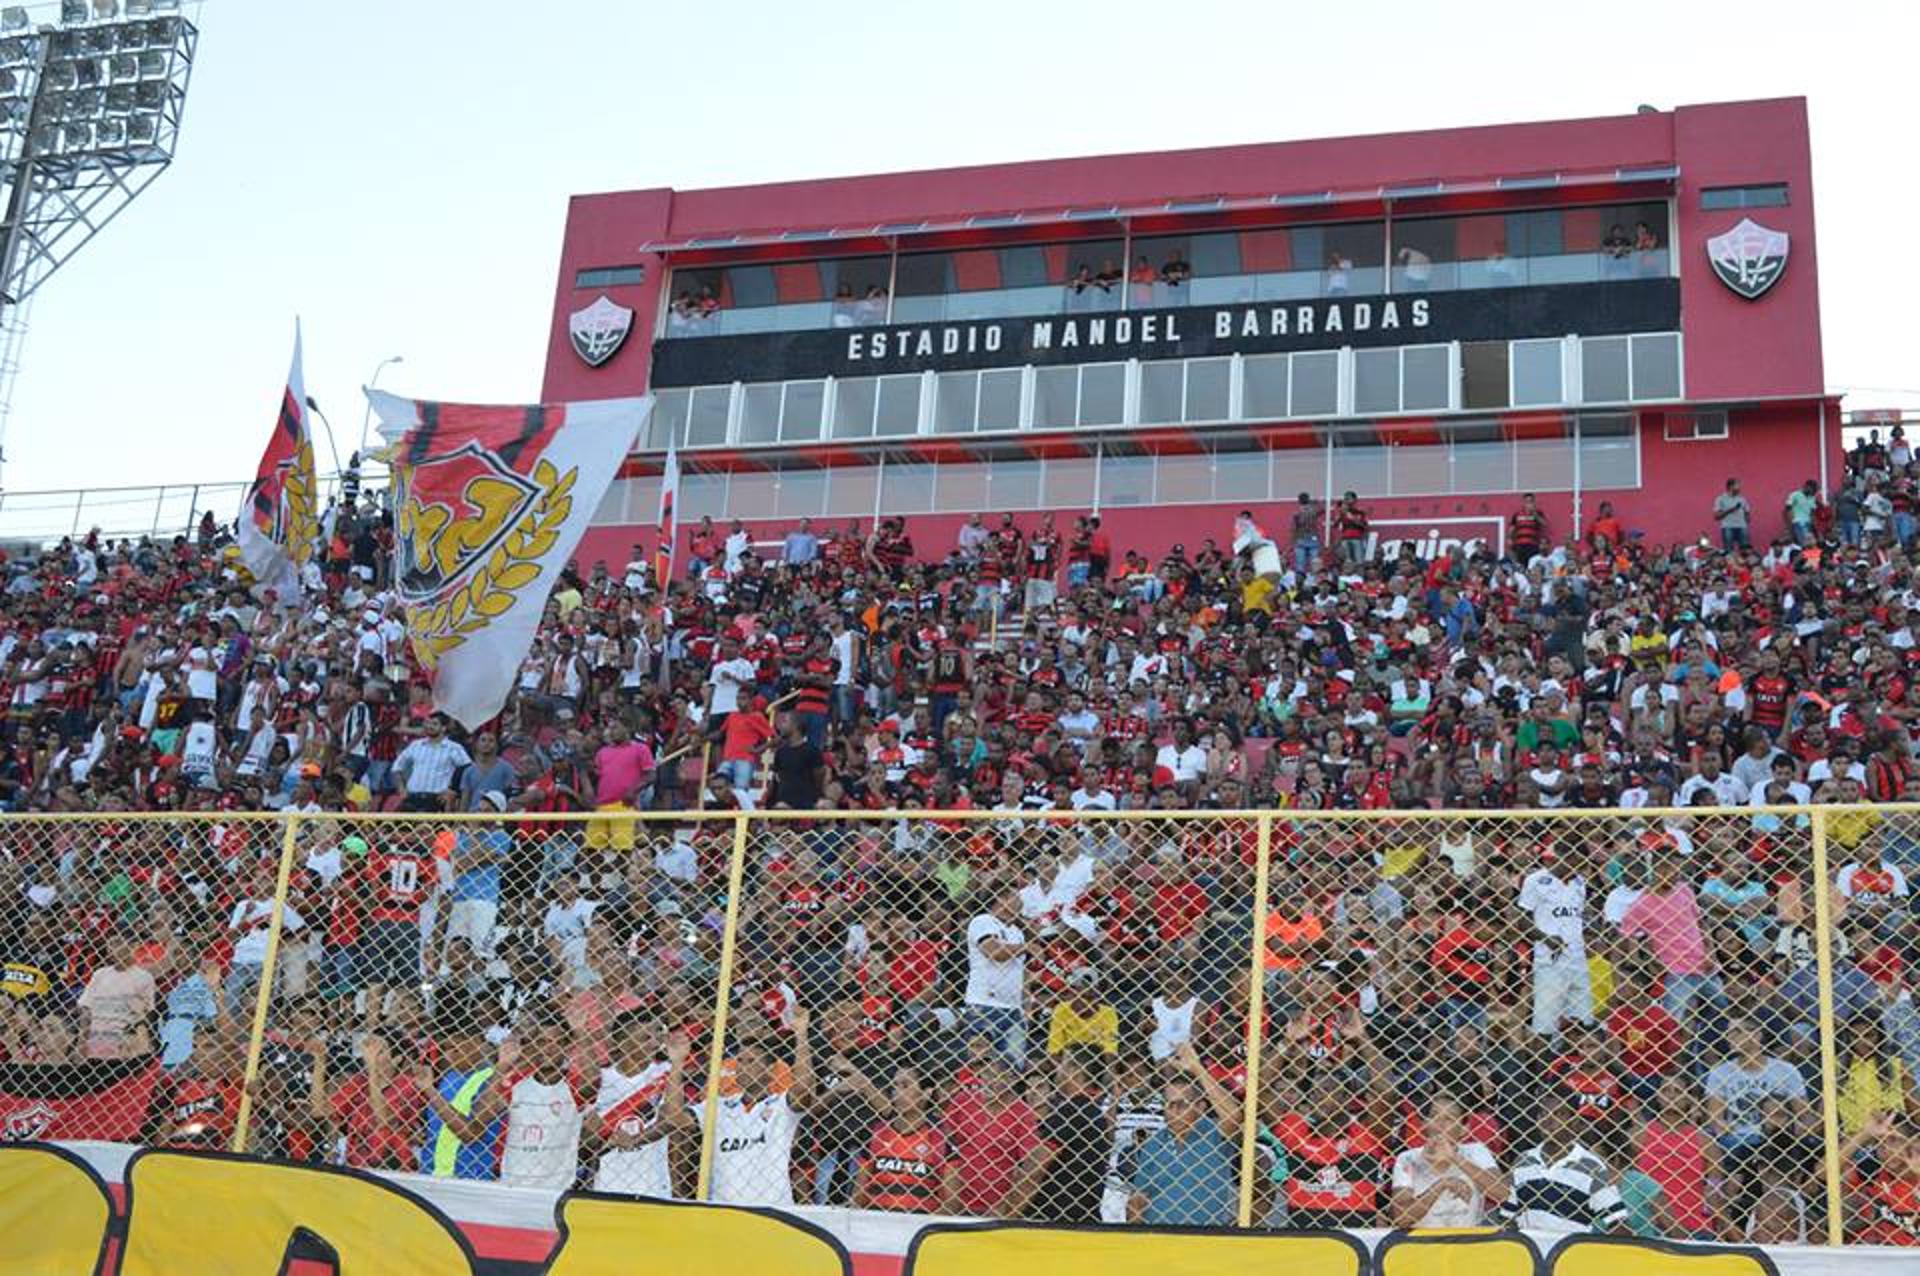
(850, 1102)
(796, 768)
(1062, 1180)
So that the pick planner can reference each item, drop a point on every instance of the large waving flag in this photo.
(279, 520)
(489, 504)
(669, 520)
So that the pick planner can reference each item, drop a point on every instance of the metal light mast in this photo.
(90, 111)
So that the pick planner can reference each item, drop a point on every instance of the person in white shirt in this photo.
(630, 1104)
(1562, 989)
(426, 768)
(1185, 759)
(1727, 790)
(545, 1109)
(730, 673)
(753, 1127)
(1078, 724)
(1447, 1181)
(996, 978)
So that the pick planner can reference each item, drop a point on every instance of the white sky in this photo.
(396, 171)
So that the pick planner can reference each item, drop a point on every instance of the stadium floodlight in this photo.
(90, 116)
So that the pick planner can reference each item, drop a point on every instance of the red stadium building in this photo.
(1621, 309)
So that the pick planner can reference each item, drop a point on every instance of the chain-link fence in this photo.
(1618, 1020)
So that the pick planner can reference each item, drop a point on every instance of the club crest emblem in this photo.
(1749, 258)
(28, 1123)
(599, 330)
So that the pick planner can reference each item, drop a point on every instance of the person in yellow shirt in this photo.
(1872, 1078)
(1083, 1018)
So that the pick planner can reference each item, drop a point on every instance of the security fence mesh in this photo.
(1619, 1020)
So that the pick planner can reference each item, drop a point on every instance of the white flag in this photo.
(279, 525)
(489, 503)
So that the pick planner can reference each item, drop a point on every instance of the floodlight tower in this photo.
(90, 110)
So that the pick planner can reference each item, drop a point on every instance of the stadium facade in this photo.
(1619, 309)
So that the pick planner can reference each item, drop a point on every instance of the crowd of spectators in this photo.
(1605, 1023)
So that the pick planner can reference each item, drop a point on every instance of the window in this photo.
(774, 297)
(1103, 393)
(1297, 470)
(707, 417)
(1376, 381)
(1000, 399)
(1424, 374)
(1420, 469)
(1208, 382)
(1689, 427)
(1482, 464)
(899, 407)
(1542, 246)
(987, 283)
(1012, 485)
(1316, 383)
(853, 404)
(1536, 373)
(801, 492)
(760, 413)
(1609, 452)
(1240, 476)
(1162, 391)
(1056, 401)
(1483, 374)
(1360, 467)
(956, 398)
(609, 276)
(1066, 482)
(668, 424)
(906, 489)
(1184, 480)
(1263, 387)
(803, 409)
(1603, 370)
(1126, 480)
(1769, 195)
(702, 495)
(1656, 366)
(851, 491)
(961, 488)
(1543, 465)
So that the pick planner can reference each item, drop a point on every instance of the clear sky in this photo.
(396, 172)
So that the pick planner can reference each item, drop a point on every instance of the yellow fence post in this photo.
(736, 877)
(1256, 1014)
(1829, 1057)
(263, 1001)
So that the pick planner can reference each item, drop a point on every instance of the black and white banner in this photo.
(1321, 323)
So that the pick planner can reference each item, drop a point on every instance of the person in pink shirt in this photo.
(1668, 918)
(622, 770)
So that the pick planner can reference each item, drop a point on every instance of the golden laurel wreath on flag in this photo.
(494, 584)
(301, 521)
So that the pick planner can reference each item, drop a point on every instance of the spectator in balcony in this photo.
(872, 308)
(1140, 281)
(1416, 269)
(1646, 250)
(1175, 271)
(1339, 281)
(1731, 511)
(1108, 277)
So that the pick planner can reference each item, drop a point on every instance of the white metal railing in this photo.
(164, 510)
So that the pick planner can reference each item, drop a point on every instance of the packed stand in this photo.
(999, 1009)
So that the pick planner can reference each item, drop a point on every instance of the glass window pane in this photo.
(1536, 372)
(1160, 391)
(906, 489)
(1543, 465)
(1483, 466)
(899, 405)
(1608, 462)
(1184, 480)
(1263, 389)
(1126, 480)
(801, 492)
(953, 402)
(1316, 383)
(1207, 382)
(760, 413)
(850, 491)
(1054, 398)
(1103, 392)
(1068, 482)
(853, 402)
(1420, 470)
(800, 416)
(707, 421)
(1362, 468)
(1483, 374)
(1603, 370)
(1000, 400)
(1423, 378)
(1297, 470)
(669, 419)
(1012, 485)
(1240, 476)
(751, 494)
(1656, 366)
(702, 494)
(643, 500)
(962, 488)
(1376, 381)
